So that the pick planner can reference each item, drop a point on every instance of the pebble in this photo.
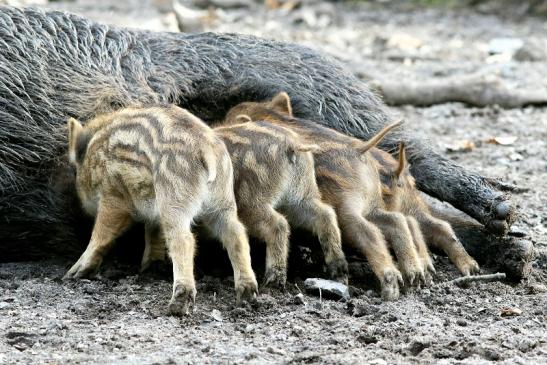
(299, 299)
(537, 288)
(329, 289)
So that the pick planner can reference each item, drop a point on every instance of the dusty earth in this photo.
(121, 318)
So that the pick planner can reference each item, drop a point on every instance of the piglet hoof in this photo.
(275, 277)
(428, 279)
(414, 276)
(83, 268)
(390, 284)
(467, 266)
(338, 270)
(246, 289)
(183, 298)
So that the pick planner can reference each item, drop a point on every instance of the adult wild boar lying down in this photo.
(55, 65)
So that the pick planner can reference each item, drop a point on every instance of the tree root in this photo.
(475, 89)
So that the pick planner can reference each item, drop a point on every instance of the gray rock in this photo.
(504, 45)
(216, 315)
(531, 50)
(537, 288)
(189, 18)
(299, 299)
(329, 289)
(224, 4)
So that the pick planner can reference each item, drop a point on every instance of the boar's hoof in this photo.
(503, 210)
(338, 270)
(183, 298)
(502, 215)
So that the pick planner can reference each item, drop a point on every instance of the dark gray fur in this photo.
(54, 65)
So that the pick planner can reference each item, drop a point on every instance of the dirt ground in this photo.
(120, 318)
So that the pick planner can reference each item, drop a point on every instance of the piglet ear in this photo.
(313, 148)
(402, 160)
(281, 103)
(243, 118)
(74, 131)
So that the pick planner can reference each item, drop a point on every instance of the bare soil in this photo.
(120, 318)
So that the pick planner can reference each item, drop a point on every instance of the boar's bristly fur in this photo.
(56, 65)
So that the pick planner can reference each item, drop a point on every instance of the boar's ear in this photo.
(281, 103)
(243, 118)
(74, 130)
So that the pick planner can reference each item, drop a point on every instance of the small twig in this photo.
(469, 279)
(297, 287)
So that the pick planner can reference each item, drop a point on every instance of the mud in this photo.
(121, 317)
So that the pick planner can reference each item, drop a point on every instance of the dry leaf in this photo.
(502, 140)
(272, 4)
(285, 5)
(510, 312)
(404, 42)
(464, 145)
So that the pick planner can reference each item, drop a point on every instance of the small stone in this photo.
(461, 322)
(418, 346)
(216, 315)
(537, 288)
(297, 331)
(531, 50)
(377, 362)
(367, 339)
(510, 312)
(517, 232)
(504, 45)
(491, 354)
(299, 299)
(370, 293)
(328, 288)
(239, 312)
(390, 318)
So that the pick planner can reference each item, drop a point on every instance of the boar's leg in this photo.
(439, 233)
(465, 190)
(507, 254)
